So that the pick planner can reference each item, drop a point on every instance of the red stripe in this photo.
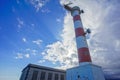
(84, 55)
(79, 32)
(77, 17)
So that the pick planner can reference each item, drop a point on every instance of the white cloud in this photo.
(22, 55)
(27, 55)
(43, 53)
(24, 39)
(20, 23)
(63, 51)
(38, 4)
(19, 56)
(34, 52)
(45, 10)
(38, 42)
(58, 20)
(65, 1)
(41, 61)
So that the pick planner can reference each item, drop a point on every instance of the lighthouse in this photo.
(86, 70)
(82, 47)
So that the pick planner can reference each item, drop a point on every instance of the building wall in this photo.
(85, 72)
(97, 71)
(37, 73)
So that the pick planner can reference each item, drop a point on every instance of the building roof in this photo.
(43, 68)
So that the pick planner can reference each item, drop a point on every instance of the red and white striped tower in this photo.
(88, 71)
(82, 47)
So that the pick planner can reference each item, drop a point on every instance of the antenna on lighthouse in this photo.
(66, 6)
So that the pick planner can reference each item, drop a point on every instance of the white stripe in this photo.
(78, 24)
(76, 12)
(81, 42)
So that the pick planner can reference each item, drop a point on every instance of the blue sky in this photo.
(41, 32)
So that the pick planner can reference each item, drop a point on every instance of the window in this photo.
(56, 77)
(34, 76)
(62, 77)
(49, 76)
(42, 77)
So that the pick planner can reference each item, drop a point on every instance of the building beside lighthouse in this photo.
(37, 72)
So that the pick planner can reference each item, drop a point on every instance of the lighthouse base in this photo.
(85, 71)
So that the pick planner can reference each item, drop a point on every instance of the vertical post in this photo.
(82, 47)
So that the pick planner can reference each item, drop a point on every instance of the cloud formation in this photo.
(22, 55)
(41, 61)
(102, 17)
(24, 39)
(37, 42)
(26, 53)
(64, 51)
(38, 4)
(20, 23)
(19, 56)
(58, 20)
(45, 11)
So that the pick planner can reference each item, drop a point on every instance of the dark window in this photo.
(62, 77)
(56, 77)
(34, 76)
(42, 77)
(49, 76)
